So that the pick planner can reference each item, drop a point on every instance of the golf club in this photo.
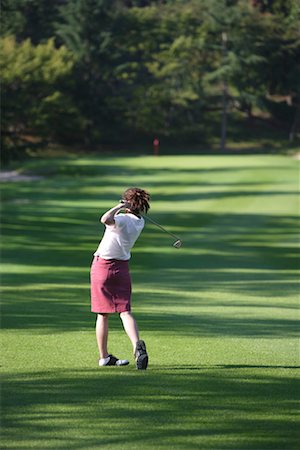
(176, 244)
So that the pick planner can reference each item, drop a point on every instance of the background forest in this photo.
(104, 72)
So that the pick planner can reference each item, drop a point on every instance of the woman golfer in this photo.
(110, 277)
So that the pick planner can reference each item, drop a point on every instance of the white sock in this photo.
(104, 361)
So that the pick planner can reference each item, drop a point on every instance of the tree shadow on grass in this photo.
(216, 324)
(207, 407)
(47, 279)
(209, 240)
(262, 367)
(57, 312)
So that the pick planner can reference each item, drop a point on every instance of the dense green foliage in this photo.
(145, 68)
(218, 315)
(32, 81)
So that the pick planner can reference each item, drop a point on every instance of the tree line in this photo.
(104, 71)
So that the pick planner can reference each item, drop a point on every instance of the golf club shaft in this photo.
(162, 228)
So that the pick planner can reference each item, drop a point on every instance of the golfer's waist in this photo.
(109, 259)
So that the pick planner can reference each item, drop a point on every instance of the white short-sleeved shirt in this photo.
(119, 238)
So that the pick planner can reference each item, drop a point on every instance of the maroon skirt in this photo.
(110, 286)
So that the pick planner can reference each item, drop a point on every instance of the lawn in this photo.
(219, 315)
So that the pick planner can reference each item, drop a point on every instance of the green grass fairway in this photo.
(219, 315)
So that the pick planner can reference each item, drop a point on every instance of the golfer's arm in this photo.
(108, 218)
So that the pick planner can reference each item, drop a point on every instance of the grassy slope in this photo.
(219, 315)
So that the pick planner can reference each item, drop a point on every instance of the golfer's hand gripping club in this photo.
(124, 203)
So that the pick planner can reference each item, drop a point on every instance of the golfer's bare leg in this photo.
(102, 334)
(130, 327)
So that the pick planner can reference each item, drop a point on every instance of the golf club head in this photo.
(177, 244)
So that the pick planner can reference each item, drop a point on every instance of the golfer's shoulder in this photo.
(121, 219)
(129, 219)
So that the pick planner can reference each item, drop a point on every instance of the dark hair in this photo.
(138, 200)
